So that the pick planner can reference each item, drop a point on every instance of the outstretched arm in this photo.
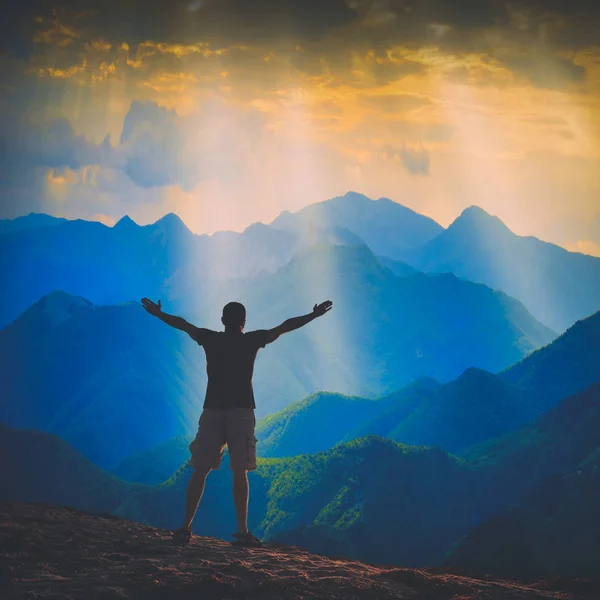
(296, 322)
(177, 322)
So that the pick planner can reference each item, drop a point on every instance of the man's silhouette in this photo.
(228, 413)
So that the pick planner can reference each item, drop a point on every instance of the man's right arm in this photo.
(297, 322)
(172, 320)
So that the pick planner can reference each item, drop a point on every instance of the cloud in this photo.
(287, 84)
(396, 103)
(585, 247)
(422, 132)
(260, 46)
(475, 25)
(411, 18)
(107, 220)
(136, 21)
(479, 75)
(152, 147)
(385, 70)
(143, 114)
(183, 29)
(414, 159)
(545, 71)
(158, 147)
(50, 144)
(22, 190)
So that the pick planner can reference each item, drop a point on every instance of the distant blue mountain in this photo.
(557, 286)
(110, 380)
(127, 261)
(474, 407)
(388, 228)
(109, 265)
(30, 221)
(478, 405)
(384, 331)
(397, 267)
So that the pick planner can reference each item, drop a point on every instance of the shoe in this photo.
(182, 535)
(246, 539)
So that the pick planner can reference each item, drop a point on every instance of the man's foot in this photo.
(246, 539)
(182, 535)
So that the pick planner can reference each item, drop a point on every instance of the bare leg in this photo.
(240, 499)
(194, 494)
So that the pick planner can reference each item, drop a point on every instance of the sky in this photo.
(227, 112)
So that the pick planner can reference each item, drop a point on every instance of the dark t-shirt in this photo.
(229, 364)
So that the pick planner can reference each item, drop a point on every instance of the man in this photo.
(228, 413)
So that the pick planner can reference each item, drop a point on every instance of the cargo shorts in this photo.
(219, 427)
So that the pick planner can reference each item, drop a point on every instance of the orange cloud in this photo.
(55, 32)
(99, 45)
(65, 73)
(171, 82)
(585, 247)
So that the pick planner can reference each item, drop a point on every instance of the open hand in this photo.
(320, 309)
(151, 307)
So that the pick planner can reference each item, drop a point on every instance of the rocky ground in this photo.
(60, 553)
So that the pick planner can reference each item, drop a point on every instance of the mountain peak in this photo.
(125, 221)
(356, 197)
(171, 222)
(59, 306)
(170, 218)
(257, 226)
(475, 216)
(475, 212)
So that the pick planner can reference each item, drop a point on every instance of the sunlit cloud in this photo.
(61, 73)
(180, 50)
(53, 31)
(278, 105)
(415, 160)
(585, 247)
(107, 220)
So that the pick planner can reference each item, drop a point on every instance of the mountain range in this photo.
(374, 499)
(553, 526)
(513, 522)
(443, 422)
(107, 370)
(30, 221)
(108, 265)
(557, 286)
(476, 406)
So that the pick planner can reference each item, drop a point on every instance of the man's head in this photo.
(234, 315)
